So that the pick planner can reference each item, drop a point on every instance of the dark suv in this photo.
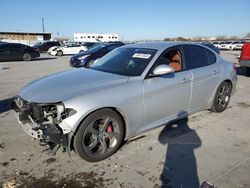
(16, 51)
(44, 46)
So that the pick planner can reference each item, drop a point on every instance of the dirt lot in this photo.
(205, 146)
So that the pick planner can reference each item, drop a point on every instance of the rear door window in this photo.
(197, 56)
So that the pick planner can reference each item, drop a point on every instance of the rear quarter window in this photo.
(211, 57)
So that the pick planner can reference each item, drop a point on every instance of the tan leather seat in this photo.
(175, 60)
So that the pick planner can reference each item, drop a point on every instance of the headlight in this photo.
(83, 57)
(51, 113)
(63, 112)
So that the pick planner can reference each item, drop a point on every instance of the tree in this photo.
(181, 39)
(221, 38)
(168, 39)
(233, 38)
(247, 35)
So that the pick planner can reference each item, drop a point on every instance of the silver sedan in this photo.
(130, 90)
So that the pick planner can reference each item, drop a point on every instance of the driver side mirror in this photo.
(162, 70)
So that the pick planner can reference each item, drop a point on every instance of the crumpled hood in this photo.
(68, 84)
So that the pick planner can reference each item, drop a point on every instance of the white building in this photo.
(91, 37)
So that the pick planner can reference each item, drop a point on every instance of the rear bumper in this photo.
(35, 54)
(244, 63)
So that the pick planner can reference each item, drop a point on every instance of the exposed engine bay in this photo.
(44, 122)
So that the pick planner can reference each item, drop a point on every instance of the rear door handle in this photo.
(215, 71)
(185, 80)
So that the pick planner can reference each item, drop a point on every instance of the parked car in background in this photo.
(46, 45)
(69, 49)
(244, 60)
(225, 46)
(17, 51)
(132, 89)
(210, 45)
(89, 45)
(236, 45)
(86, 59)
(217, 44)
(52, 49)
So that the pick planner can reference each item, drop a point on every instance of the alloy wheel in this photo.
(223, 96)
(101, 136)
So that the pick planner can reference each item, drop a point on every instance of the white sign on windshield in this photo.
(140, 55)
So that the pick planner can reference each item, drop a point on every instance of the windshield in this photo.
(96, 48)
(125, 61)
(38, 44)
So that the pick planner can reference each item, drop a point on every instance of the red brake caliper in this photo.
(109, 128)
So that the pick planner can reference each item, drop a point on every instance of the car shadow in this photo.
(180, 168)
(43, 58)
(6, 104)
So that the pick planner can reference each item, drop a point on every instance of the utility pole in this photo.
(43, 25)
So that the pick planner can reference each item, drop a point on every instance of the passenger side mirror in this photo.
(162, 70)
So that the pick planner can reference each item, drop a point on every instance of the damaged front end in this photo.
(45, 122)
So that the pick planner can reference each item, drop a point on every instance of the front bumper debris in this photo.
(41, 124)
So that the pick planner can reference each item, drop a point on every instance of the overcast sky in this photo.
(131, 19)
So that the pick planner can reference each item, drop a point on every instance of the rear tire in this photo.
(27, 57)
(99, 135)
(222, 97)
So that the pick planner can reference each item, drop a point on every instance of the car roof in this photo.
(111, 43)
(162, 45)
(12, 43)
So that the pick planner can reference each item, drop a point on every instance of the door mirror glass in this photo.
(162, 70)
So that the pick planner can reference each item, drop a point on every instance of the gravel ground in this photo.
(205, 146)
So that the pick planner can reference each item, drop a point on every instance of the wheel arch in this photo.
(117, 110)
(228, 81)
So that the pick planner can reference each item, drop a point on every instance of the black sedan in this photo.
(16, 51)
(85, 59)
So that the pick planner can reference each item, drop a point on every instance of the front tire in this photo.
(90, 63)
(27, 57)
(59, 53)
(99, 136)
(222, 97)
